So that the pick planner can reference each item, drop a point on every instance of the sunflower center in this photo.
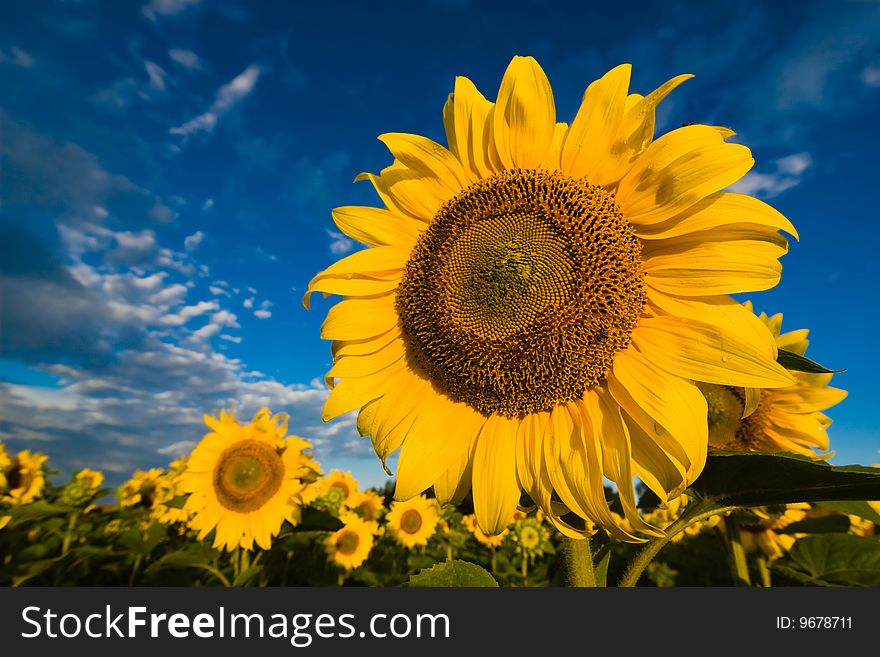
(728, 429)
(368, 511)
(19, 477)
(530, 538)
(347, 542)
(410, 521)
(248, 473)
(520, 292)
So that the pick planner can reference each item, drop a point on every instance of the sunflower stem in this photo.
(739, 568)
(577, 560)
(68, 535)
(525, 569)
(699, 511)
(764, 571)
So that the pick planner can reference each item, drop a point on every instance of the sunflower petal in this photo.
(677, 171)
(428, 158)
(525, 115)
(590, 138)
(701, 351)
(356, 319)
(467, 129)
(495, 488)
(376, 226)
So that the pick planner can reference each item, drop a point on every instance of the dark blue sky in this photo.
(169, 166)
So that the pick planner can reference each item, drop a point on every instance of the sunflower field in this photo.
(334, 534)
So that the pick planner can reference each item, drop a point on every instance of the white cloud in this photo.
(228, 96)
(230, 338)
(788, 173)
(340, 244)
(191, 242)
(186, 313)
(177, 449)
(157, 8)
(207, 205)
(18, 57)
(871, 75)
(225, 318)
(218, 291)
(185, 58)
(248, 303)
(262, 314)
(157, 76)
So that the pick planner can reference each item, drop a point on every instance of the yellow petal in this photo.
(719, 209)
(356, 319)
(670, 410)
(434, 164)
(467, 130)
(426, 452)
(351, 287)
(525, 115)
(704, 352)
(806, 399)
(634, 134)
(677, 171)
(714, 268)
(377, 226)
(382, 263)
(406, 191)
(368, 363)
(592, 135)
(721, 311)
(454, 484)
(652, 465)
(495, 488)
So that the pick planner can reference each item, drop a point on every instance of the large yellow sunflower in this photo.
(783, 419)
(245, 480)
(350, 546)
(413, 522)
(540, 298)
(25, 478)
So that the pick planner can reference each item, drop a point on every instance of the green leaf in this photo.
(833, 560)
(176, 502)
(196, 555)
(453, 573)
(860, 509)
(824, 525)
(798, 363)
(39, 510)
(247, 576)
(757, 479)
(317, 520)
(600, 564)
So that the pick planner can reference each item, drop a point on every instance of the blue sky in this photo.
(169, 167)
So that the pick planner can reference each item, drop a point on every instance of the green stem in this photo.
(492, 561)
(577, 560)
(764, 571)
(699, 511)
(739, 568)
(525, 569)
(68, 535)
(340, 579)
(134, 569)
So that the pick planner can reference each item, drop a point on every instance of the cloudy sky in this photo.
(169, 167)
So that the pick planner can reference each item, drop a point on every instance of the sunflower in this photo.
(412, 522)
(140, 490)
(336, 489)
(530, 537)
(82, 487)
(5, 464)
(786, 419)
(489, 540)
(540, 297)
(168, 487)
(244, 480)
(369, 505)
(25, 478)
(765, 535)
(349, 547)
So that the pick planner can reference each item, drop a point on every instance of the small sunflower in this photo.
(548, 294)
(244, 480)
(25, 478)
(489, 540)
(350, 546)
(413, 522)
(82, 487)
(788, 419)
(764, 536)
(5, 464)
(140, 489)
(530, 537)
(336, 489)
(368, 504)
(168, 487)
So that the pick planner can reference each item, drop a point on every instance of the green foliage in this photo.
(453, 573)
(833, 560)
(798, 363)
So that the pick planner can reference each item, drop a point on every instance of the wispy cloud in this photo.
(156, 8)
(185, 58)
(339, 243)
(788, 173)
(192, 242)
(17, 57)
(229, 95)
